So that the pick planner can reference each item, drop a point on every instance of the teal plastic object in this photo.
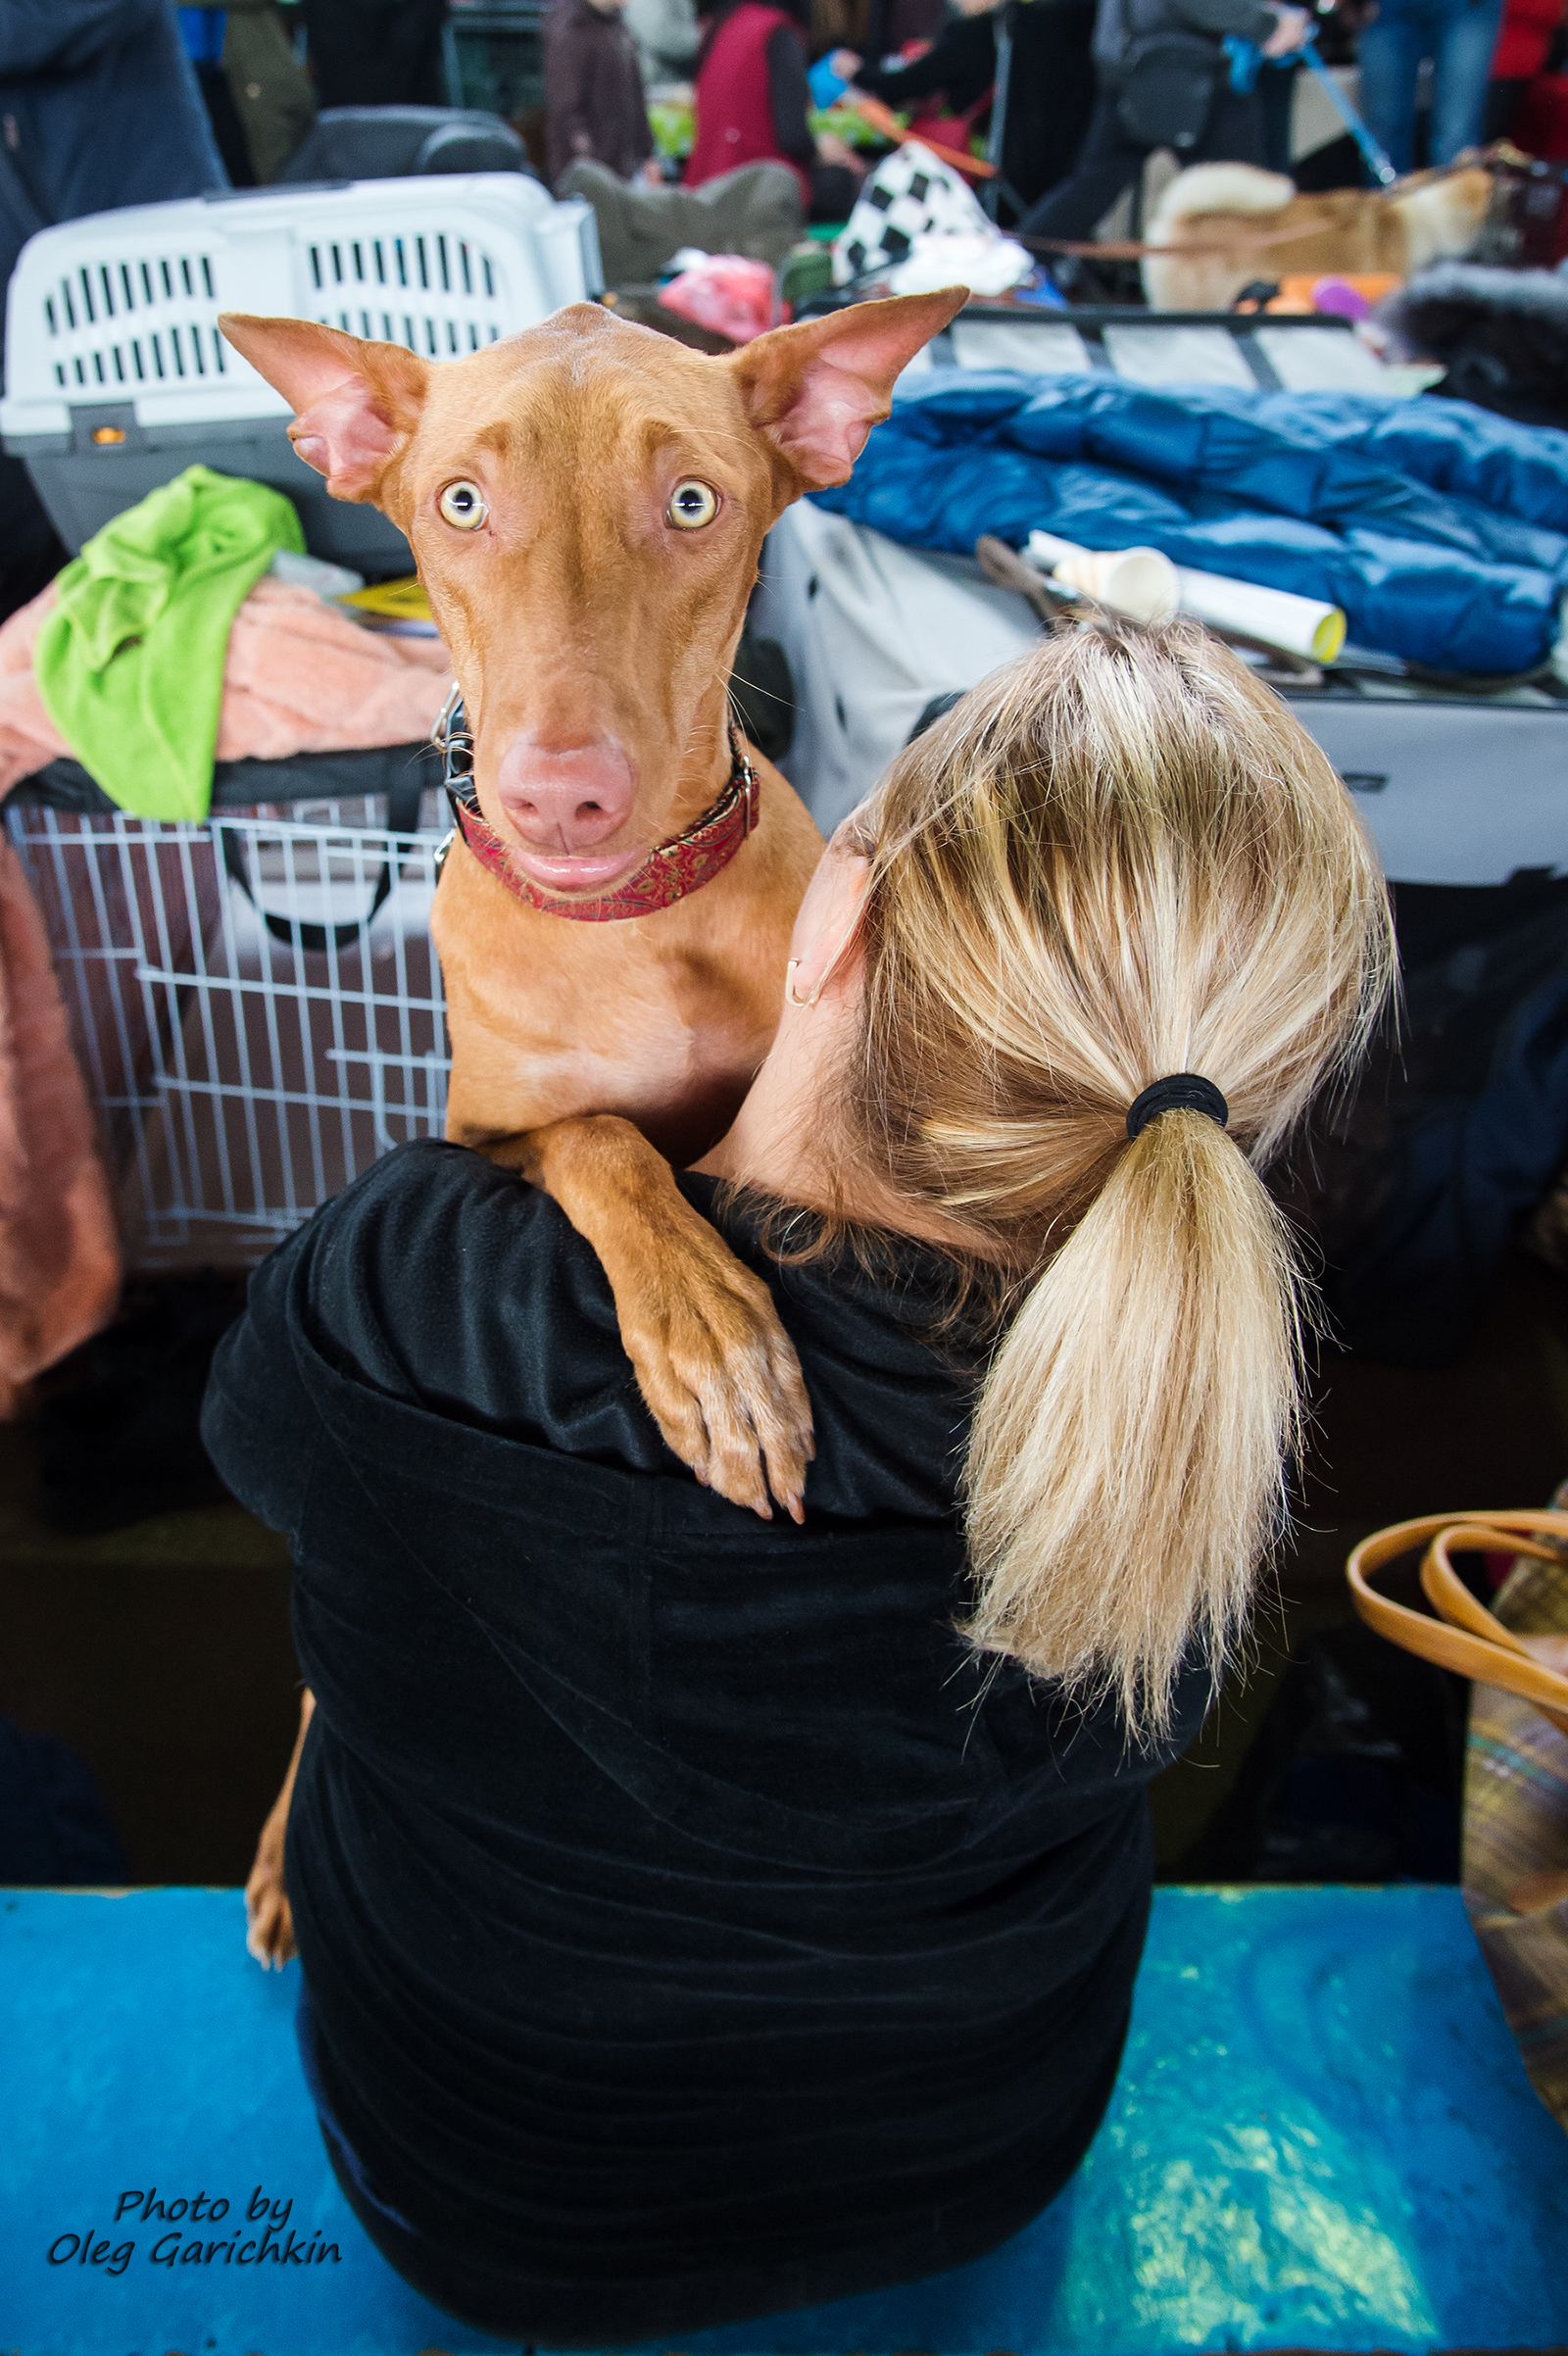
(1322, 2138)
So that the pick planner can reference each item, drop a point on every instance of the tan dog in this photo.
(587, 503)
(1239, 221)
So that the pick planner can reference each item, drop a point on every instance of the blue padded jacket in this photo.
(1441, 529)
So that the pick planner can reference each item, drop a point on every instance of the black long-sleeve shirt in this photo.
(834, 188)
(790, 95)
(1051, 90)
(692, 1927)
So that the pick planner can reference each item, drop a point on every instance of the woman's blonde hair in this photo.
(1119, 859)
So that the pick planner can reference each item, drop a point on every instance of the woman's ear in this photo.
(824, 932)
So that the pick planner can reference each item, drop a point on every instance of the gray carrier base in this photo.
(83, 483)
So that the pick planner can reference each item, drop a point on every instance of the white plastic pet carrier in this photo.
(117, 377)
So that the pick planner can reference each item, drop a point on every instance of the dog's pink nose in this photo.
(565, 798)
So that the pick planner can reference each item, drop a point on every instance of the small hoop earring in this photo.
(826, 974)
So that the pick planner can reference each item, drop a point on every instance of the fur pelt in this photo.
(1503, 335)
(1215, 206)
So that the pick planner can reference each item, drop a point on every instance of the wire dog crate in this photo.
(255, 1004)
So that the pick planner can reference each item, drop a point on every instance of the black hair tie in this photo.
(1182, 1092)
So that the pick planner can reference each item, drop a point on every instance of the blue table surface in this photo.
(1322, 2138)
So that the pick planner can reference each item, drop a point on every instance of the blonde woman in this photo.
(703, 1917)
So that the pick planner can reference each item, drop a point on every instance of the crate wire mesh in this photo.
(252, 1037)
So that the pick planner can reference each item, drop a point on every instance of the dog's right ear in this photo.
(356, 402)
(815, 391)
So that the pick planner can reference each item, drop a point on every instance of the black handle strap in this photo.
(401, 823)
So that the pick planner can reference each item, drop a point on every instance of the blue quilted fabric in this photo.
(1441, 529)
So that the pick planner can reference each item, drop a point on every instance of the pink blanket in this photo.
(300, 678)
(58, 1254)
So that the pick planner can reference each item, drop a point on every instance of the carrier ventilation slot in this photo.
(129, 322)
(366, 282)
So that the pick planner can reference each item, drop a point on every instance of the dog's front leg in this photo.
(716, 1367)
(269, 1920)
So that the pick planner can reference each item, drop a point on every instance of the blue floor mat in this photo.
(1322, 2139)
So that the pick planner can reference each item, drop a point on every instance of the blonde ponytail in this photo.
(1116, 861)
(1125, 1467)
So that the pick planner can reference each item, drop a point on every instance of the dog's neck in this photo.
(704, 761)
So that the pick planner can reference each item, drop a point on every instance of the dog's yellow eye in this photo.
(691, 506)
(463, 506)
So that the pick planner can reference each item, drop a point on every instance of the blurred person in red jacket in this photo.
(751, 108)
(1524, 46)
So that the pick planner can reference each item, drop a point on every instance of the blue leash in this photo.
(1246, 56)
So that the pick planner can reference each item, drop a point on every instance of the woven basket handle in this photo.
(1467, 1638)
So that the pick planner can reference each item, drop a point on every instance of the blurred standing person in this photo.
(99, 107)
(1163, 82)
(1524, 46)
(595, 112)
(203, 30)
(376, 53)
(1396, 39)
(259, 97)
(1050, 84)
(753, 103)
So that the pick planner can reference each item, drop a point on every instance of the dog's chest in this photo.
(671, 1046)
(682, 1092)
(661, 1062)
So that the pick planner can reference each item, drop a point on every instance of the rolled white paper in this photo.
(1147, 586)
(1139, 582)
(1300, 625)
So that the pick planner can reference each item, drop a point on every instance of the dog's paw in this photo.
(718, 1372)
(269, 1922)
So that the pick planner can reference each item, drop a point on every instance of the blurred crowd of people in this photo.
(227, 90)
(106, 103)
(111, 102)
(1086, 84)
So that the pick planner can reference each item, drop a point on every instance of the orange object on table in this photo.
(1295, 297)
(882, 118)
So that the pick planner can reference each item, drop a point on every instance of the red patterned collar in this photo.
(671, 870)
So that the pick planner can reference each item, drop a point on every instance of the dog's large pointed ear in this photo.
(356, 402)
(817, 391)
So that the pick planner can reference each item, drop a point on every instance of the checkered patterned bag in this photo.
(908, 196)
(1515, 1866)
(1516, 1836)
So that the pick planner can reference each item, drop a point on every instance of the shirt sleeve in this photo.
(442, 1281)
(258, 1425)
(961, 62)
(787, 84)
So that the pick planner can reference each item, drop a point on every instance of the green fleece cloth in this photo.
(130, 660)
